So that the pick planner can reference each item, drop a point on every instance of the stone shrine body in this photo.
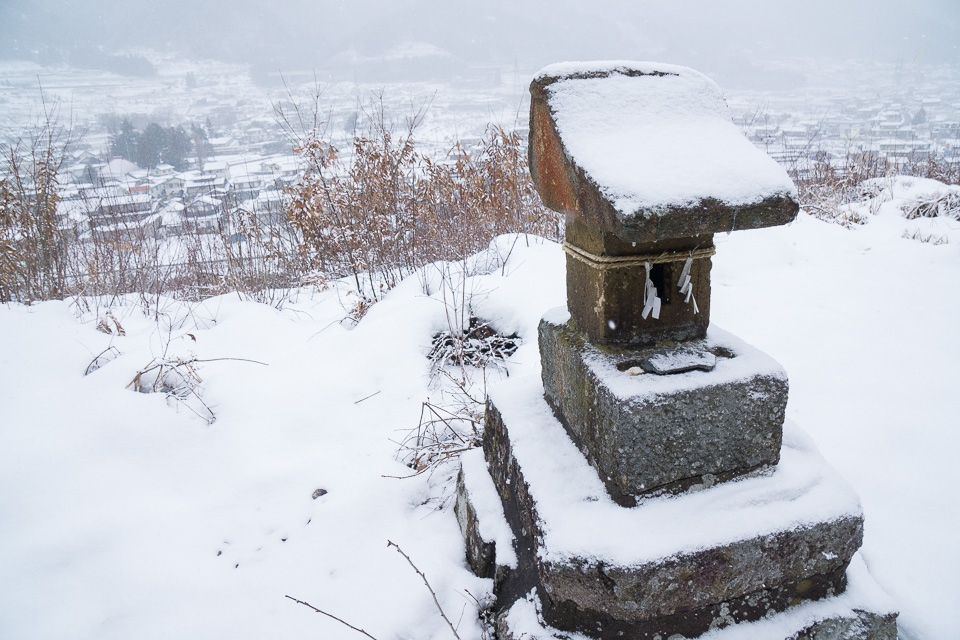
(646, 486)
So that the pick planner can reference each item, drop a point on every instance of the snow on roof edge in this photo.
(588, 68)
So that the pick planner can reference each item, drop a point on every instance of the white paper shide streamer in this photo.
(651, 301)
(685, 283)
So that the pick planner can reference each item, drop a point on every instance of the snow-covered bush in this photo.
(827, 185)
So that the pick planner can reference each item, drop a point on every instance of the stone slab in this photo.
(482, 523)
(862, 612)
(678, 564)
(647, 151)
(650, 434)
(680, 360)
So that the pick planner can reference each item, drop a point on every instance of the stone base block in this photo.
(682, 564)
(862, 612)
(649, 434)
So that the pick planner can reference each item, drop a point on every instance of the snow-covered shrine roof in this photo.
(653, 141)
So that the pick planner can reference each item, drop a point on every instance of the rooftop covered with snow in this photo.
(648, 151)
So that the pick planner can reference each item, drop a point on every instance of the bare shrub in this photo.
(355, 219)
(934, 167)
(34, 243)
(118, 252)
(262, 260)
(178, 379)
(470, 199)
(386, 210)
(374, 213)
(442, 434)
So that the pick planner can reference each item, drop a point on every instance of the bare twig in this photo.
(429, 588)
(412, 475)
(330, 615)
(237, 359)
(485, 610)
(96, 363)
(367, 397)
(178, 379)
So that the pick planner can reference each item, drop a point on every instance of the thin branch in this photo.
(237, 359)
(367, 397)
(330, 615)
(412, 475)
(429, 588)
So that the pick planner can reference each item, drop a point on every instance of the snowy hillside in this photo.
(127, 515)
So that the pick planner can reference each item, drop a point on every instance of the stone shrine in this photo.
(647, 485)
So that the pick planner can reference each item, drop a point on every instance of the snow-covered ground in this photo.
(125, 515)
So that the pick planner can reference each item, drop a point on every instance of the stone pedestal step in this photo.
(648, 434)
(679, 564)
(862, 612)
(490, 542)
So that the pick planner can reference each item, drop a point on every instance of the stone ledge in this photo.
(863, 612)
(651, 434)
(488, 538)
(522, 621)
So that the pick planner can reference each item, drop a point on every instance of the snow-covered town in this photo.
(899, 113)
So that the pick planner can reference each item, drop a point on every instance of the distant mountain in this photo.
(306, 34)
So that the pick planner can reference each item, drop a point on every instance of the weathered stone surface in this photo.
(489, 542)
(518, 508)
(687, 592)
(690, 593)
(566, 187)
(481, 553)
(856, 624)
(648, 434)
(860, 625)
(604, 243)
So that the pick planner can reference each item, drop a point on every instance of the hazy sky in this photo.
(304, 34)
